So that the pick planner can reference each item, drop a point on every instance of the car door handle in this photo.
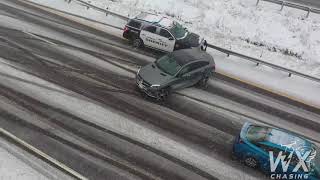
(143, 35)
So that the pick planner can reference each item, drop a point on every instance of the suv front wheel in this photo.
(163, 94)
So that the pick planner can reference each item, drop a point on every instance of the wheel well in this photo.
(253, 157)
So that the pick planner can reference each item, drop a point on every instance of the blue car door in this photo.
(264, 157)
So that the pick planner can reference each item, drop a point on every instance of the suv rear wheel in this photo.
(203, 82)
(137, 43)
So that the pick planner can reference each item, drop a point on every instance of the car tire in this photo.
(251, 162)
(163, 94)
(203, 82)
(137, 43)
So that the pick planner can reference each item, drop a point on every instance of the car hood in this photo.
(192, 40)
(153, 75)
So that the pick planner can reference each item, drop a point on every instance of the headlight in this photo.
(155, 85)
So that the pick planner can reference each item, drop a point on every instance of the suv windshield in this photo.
(178, 30)
(258, 134)
(168, 64)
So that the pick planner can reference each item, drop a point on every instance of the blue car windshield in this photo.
(168, 64)
(257, 134)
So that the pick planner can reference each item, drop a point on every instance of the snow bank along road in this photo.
(69, 90)
(20, 161)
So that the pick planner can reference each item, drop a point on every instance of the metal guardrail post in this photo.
(282, 4)
(309, 9)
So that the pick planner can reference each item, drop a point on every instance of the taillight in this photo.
(126, 29)
(214, 67)
(240, 141)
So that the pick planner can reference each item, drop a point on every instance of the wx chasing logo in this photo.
(290, 165)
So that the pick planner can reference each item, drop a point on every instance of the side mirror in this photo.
(170, 38)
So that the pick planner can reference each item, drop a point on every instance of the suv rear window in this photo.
(135, 24)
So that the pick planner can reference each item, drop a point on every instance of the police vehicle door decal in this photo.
(167, 40)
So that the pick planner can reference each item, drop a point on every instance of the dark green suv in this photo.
(176, 70)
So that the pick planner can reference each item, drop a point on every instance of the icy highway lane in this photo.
(311, 3)
(69, 90)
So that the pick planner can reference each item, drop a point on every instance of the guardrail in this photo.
(259, 61)
(107, 12)
(226, 51)
(293, 5)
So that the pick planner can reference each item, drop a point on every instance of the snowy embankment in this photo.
(13, 168)
(18, 164)
(285, 38)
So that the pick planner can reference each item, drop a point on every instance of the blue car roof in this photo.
(282, 139)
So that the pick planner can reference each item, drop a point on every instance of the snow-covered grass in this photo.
(286, 38)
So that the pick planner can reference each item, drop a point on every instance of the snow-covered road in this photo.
(82, 94)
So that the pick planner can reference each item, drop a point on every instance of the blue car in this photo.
(278, 153)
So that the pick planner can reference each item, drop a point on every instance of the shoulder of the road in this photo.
(43, 169)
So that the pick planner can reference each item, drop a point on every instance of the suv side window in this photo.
(198, 65)
(165, 33)
(184, 70)
(151, 29)
(135, 24)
